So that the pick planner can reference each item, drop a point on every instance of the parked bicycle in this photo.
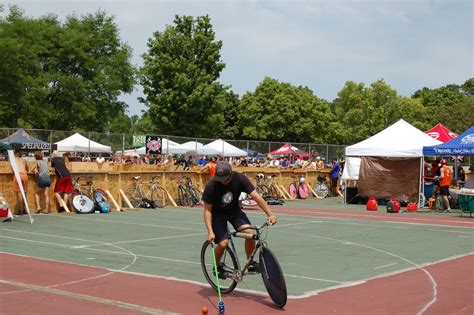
(188, 194)
(265, 186)
(269, 268)
(321, 188)
(298, 188)
(140, 197)
(86, 198)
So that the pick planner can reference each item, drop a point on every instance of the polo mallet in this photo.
(220, 304)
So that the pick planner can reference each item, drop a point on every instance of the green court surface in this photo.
(315, 253)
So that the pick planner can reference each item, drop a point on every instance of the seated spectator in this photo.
(285, 163)
(202, 161)
(243, 162)
(86, 158)
(100, 159)
(319, 163)
(298, 163)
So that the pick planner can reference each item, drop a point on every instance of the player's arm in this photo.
(264, 206)
(208, 221)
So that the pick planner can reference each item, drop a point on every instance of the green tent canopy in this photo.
(4, 146)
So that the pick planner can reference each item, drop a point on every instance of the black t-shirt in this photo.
(60, 167)
(225, 198)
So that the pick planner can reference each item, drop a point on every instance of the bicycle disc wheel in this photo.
(273, 277)
(159, 197)
(229, 263)
(134, 196)
(82, 204)
(321, 190)
(293, 191)
(303, 191)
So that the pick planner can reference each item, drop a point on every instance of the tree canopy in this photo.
(62, 75)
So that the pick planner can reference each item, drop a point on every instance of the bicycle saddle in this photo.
(136, 177)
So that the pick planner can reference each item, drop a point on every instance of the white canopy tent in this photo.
(398, 140)
(225, 149)
(167, 146)
(199, 148)
(79, 143)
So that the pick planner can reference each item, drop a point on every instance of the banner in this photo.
(153, 144)
(139, 141)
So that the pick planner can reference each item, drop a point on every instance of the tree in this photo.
(62, 75)
(179, 79)
(282, 112)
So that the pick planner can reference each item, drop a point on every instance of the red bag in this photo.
(393, 206)
(372, 204)
(412, 206)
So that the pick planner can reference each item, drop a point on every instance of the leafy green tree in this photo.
(282, 112)
(179, 79)
(62, 75)
(458, 117)
(442, 96)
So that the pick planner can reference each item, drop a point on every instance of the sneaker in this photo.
(9, 219)
(221, 272)
(254, 267)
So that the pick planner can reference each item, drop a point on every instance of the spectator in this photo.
(100, 160)
(63, 186)
(285, 163)
(319, 163)
(305, 163)
(191, 160)
(335, 172)
(23, 170)
(182, 161)
(202, 161)
(86, 158)
(44, 182)
(444, 182)
(243, 162)
(298, 162)
(210, 167)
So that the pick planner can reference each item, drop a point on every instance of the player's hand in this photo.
(272, 219)
(211, 237)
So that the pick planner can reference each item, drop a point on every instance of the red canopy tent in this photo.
(441, 133)
(287, 149)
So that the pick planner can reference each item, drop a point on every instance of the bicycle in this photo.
(298, 188)
(321, 188)
(265, 186)
(272, 274)
(88, 200)
(188, 194)
(139, 198)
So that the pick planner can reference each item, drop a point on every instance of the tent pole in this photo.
(421, 186)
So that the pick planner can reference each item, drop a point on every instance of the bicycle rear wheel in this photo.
(303, 191)
(321, 190)
(183, 197)
(195, 195)
(134, 196)
(293, 191)
(159, 197)
(273, 277)
(228, 262)
(263, 190)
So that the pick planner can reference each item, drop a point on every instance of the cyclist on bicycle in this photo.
(221, 205)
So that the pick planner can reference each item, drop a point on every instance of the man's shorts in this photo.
(63, 185)
(24, 182)
(219, 224)
(444, 190)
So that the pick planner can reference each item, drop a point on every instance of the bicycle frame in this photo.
(238, 276)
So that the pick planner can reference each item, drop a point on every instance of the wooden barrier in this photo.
(113, 177)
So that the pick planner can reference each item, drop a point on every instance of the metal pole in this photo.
(123, 144)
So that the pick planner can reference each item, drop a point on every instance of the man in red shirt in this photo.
(444, 182)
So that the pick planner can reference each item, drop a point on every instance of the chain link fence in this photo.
(121, 142)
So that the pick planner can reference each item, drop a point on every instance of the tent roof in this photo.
(4, 146)
(167, 146)
(288, 149)
(441, 133)
(79, 143)
(25, 141)
(461, 145)
(398, 140)
(225, 149)
(199, 148)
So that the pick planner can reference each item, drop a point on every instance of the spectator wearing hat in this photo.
(221, 205)
(444, 182)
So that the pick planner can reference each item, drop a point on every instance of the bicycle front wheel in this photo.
(195, 195)
(82, 204)
(321, 190)
(303, 191)
(228, 263)
(273, 277)
(134, 196)
(159, 197)
(183, 197)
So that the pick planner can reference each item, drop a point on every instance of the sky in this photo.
(410, 44)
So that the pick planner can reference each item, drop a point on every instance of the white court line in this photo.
(385, 266)
(122, 222)
(433, 282)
